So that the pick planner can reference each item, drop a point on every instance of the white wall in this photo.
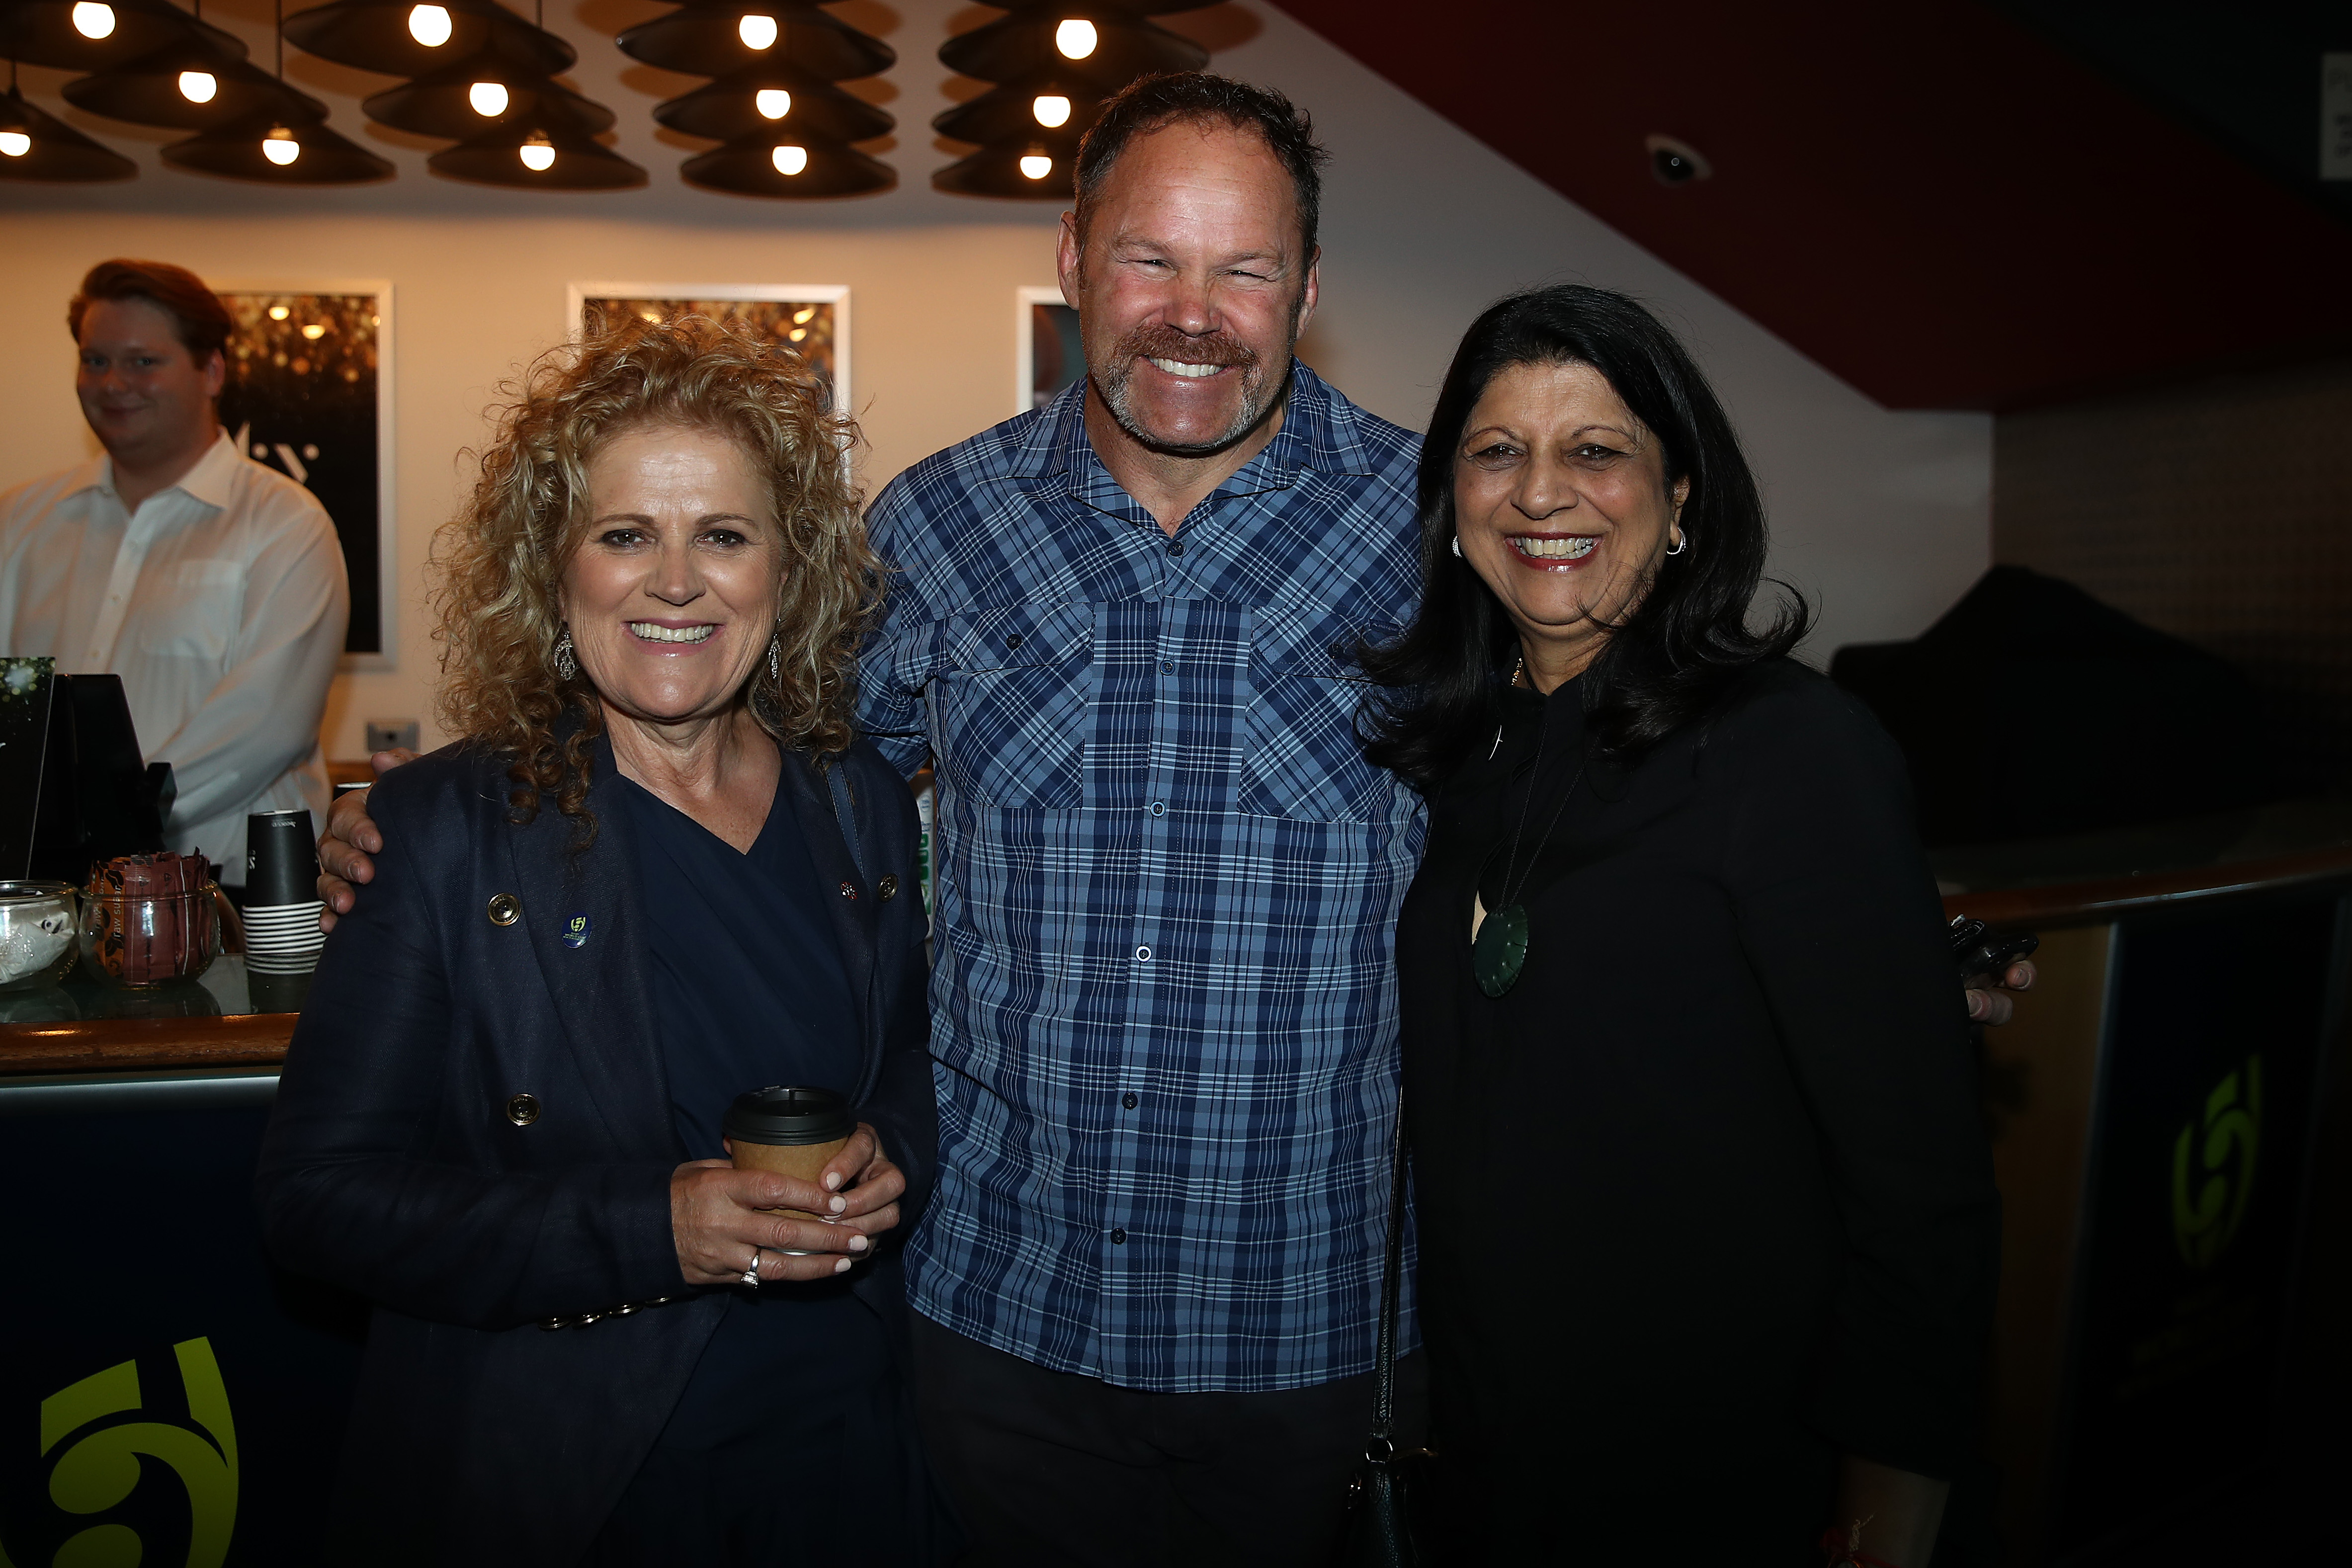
(1883, 519)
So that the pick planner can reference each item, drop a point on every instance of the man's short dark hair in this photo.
(1203, 98)
(198, 317)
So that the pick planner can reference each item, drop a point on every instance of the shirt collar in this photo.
(208, 481)
(1319, 436)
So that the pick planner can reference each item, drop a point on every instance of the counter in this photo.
(2167, 1147)
(2160, 1132)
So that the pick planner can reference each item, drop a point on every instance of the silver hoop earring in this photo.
(776, 659)
(1458, 547)
(566, 664)
(1681, 543)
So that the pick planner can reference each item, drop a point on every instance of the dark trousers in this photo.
(1047, 1469)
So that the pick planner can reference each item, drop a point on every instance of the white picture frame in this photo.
(835, 297)
(289, 460)
(1025, 300)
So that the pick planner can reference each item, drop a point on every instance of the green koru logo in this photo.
(100, 1470)
(2208, 1202)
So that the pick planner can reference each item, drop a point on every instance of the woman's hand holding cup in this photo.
(719, 1214)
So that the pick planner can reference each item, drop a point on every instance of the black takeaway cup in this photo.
(793, 1131)
(282, 893)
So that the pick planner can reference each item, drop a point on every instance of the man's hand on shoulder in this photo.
(352, 837)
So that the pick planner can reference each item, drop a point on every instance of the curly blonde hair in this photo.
(498, 563)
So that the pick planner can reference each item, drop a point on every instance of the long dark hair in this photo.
(1686, 639)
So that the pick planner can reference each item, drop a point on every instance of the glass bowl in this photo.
(135, 941)
(37, 933)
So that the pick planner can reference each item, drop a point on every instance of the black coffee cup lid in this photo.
(785, 1113)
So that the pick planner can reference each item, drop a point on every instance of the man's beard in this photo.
(1117, 383)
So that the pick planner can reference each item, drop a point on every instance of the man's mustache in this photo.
(1164, 342)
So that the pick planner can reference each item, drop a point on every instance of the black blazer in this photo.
(496, 1419)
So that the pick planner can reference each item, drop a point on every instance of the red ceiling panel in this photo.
(1926, 198)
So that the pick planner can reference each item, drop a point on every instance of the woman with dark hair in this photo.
(1708, 1230)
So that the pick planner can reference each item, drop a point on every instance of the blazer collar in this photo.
(598, 986)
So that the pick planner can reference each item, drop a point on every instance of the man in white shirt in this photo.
(212, 585)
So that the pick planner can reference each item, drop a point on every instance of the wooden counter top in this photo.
(2087, 903)
(128, 1045)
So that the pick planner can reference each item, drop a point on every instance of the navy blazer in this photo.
(532, 1331)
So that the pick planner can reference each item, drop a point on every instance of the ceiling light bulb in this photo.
(757, 32)
(1076, 39)
(279, 312)
(802, 317)
(92, 20)
(429, 25)
(489, 99)
(198, 87)
(1036, 165)
(15, 143)
(280, 146)
(537, 154)
(314, 332)
(774, 102)
(789, 160)
(1051, 109)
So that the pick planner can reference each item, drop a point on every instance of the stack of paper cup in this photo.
(282, 893)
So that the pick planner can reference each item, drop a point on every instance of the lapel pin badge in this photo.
(575, 931)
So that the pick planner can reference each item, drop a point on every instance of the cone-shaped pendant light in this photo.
(1038, 169)
(37, 146)
(188, 86)
(467, 96)
(777, 163)
(543, 153)
(404, 39)
(711, 39)
(1033, 104)
(1113, 44)
(274, 149)
(99, 35)
(773, 100)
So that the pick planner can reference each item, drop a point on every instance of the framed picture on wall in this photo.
(309, 394)
(810, 319)
(1046, 357)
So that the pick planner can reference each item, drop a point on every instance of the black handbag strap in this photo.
(1381, 1446)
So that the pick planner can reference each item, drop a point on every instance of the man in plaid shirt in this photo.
(1122, 629)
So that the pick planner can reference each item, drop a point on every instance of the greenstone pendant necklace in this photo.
(1499, 950)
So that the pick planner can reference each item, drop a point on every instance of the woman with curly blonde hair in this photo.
(658, 872)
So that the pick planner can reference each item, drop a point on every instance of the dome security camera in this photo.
(1675, 161)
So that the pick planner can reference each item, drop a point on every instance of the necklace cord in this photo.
(1535, 776)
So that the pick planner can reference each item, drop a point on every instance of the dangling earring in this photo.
(566, 664)
(776, 659)
(1682, 542)
(1458, 547)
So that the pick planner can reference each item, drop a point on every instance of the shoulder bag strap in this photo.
(1392, 1287)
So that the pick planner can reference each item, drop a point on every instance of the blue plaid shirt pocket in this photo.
(1301, 757)
(1015, 686)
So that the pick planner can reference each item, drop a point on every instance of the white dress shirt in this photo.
(221, 602)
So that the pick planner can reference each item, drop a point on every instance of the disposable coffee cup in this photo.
(790, 1129)
(282, 893)
(281, 859)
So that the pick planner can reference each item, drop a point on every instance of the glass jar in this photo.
(37, 933)
(137, 940)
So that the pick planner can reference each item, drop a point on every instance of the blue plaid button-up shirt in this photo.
(1166, 889)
